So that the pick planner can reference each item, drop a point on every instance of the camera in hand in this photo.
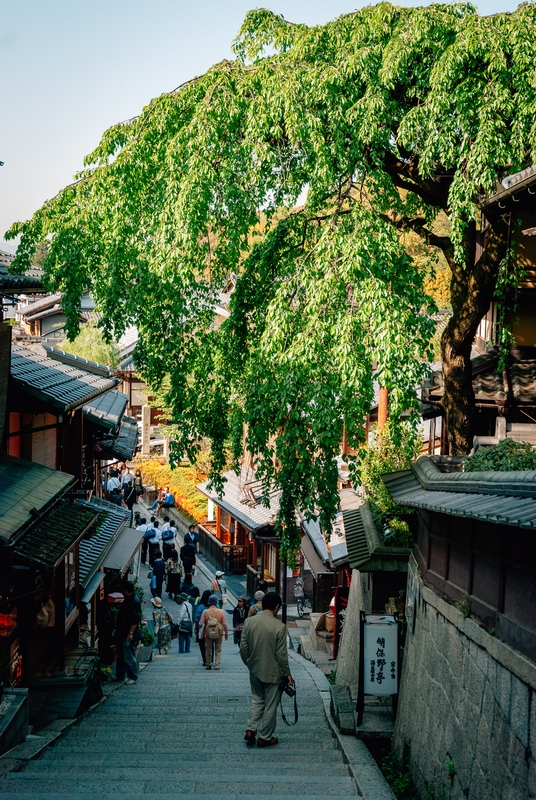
(288, 688)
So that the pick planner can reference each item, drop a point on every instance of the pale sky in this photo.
(70, 69)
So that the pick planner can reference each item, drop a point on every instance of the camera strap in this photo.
(290, 724)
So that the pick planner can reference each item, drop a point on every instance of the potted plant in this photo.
(145, 650)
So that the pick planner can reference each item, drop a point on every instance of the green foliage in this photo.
(389, 450)
(464, 605)
(507, 456)
(148, 638)
(398, 776)
(90, 343)
(390, 117)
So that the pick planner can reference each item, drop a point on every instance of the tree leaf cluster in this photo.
(386, 118)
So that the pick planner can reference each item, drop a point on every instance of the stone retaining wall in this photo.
(466, 707)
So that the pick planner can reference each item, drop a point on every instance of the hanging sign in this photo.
(380, 655)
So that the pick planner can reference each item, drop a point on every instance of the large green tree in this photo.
(386, 117)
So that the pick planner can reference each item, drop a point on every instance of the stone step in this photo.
(118, 790)
(105, 758)
(133, 770)
(96, 786)
(162, 748)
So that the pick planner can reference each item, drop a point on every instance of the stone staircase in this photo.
(180, 730)
(317, 646)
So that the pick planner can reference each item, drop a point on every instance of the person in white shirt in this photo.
(126, 478)
(113, 488)
(142, 526)
(154, 541)
(185, 620)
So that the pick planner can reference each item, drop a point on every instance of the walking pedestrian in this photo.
(154, 541)
(187, 585)
(129, 496)
(188, 552)
(186, 623)
(203, 604)
(138, 484)
(257, 605)
(162, 626)
(263, 650)
(168, 538)
(113, 490)
(192, 537)
(173, 571)
(239, 617)
(220, 588)
(159, 571)
(215, 628)
(128, 619)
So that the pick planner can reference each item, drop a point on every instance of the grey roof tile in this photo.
(92, 550)
(242, 499)
(62, 386)
(79, 362)
(123, 446)
(107, 410)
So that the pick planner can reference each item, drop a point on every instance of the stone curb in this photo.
(370, 782)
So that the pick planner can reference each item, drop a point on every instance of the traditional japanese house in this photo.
(469, 672)
(239, 534)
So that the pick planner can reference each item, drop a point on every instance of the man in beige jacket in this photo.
(263, 649)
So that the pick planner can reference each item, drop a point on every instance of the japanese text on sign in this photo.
(380, 655)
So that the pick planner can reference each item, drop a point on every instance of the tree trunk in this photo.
(472, 290)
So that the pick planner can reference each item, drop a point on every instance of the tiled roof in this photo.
(26, 486)
(107, 410)
(491, 386)
(92, 550)
(46, 542)
(52, 311)
(78, 361)
(123, 446)
(60, 385)
(243, 500)
(39, 305)
(17, 283)
(506, 498)
(366, 550)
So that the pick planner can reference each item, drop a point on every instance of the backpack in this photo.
(168, 534)
(214, 628)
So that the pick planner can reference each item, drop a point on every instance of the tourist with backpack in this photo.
(185, 619)
(214, 627)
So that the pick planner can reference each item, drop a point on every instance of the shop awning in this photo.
(315, 563)
(92, 586)
(123, 550)
(93, 549)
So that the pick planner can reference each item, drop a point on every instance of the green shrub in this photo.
(507, 456)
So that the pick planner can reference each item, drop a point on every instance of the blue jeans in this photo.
(154, 505)
(126, 665)
(184, 642)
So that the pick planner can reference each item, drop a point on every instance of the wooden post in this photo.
(383, 408)
(145, 431)
(218, 523)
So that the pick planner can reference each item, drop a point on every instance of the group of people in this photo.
(123, 487)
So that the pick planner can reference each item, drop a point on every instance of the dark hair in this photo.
(153, 519)
(127, 586)
(195, 592)
(174, 556)
(270, 601)
(172, 524)
(190, 527)
(166, 519)
(156, 523)
(262, 585)
(204, 597)
(158, 554)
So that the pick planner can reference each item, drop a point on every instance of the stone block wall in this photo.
(467, 698)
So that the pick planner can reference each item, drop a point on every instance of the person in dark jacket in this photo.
(187, 553)
(128, 619)
(240, 614)
(159, 571)
(203, 604)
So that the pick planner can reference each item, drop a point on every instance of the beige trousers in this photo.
(263, 712)
(213, 645)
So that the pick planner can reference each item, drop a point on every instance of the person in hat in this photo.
(257, 605)
(186, 623)
(213, 645)
(240, 614)
(220, 588)
(162, 626)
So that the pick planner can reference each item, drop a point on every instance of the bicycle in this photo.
(303, 605)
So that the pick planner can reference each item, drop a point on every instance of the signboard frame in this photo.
(386, 657)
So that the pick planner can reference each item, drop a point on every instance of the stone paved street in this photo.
(179, 731)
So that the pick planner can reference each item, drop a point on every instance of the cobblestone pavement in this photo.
(179, 731)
